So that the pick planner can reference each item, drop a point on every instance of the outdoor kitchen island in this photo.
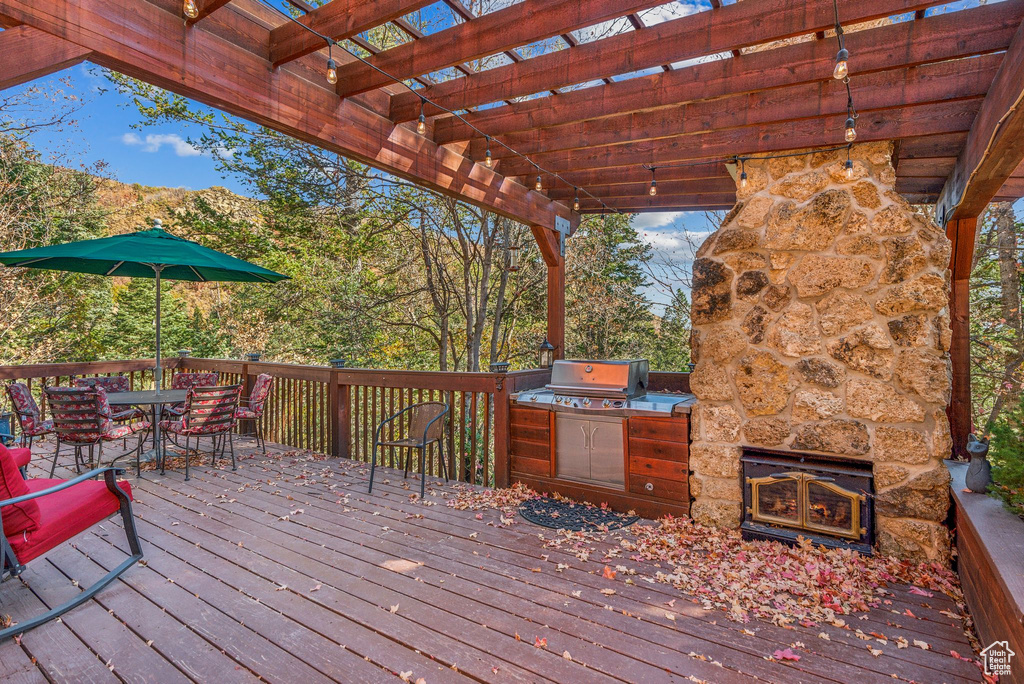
(595, 433)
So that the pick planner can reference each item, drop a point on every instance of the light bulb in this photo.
(743, 179)
(849, 169)
(421, 126)
(538, 186)
(487, 159)
(190, 9)
(654, 188)
(576, 204)
(842, 69)
(851, 132)
(332, 72)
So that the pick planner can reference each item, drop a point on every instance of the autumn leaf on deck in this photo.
(786, 654)
(921, 592)
(538, 642)
(608, 573)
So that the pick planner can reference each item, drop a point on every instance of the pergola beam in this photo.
(995, 143)
(885, 124)
(943, 81)
(338, 19)
(30, 54)
(945, 36)
(206, 8)
(696, 35)
(153, 45)
(520, 24)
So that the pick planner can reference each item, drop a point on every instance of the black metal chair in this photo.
(424, 425)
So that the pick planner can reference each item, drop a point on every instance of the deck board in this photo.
(287, 570)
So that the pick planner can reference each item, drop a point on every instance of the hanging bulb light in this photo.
(842, 69)
(576, 200)
(538, 186)
(190, 9)
(849, 169)
(421, 125)
(332, 72)
(654, 184)
(851, 130)
(743, 175)
(487, 158)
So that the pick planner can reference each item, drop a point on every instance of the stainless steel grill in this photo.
(611, 388)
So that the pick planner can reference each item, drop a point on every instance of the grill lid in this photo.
(615, 379)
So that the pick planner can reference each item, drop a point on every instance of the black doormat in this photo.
(567, 515)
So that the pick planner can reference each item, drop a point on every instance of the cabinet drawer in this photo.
(529, 416)
(650, 448)
(655, 467)
(533, 433)
(663, 489)
(536, 450)
(531, 466)
(672, 430)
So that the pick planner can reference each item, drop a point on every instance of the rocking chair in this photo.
(37, 515)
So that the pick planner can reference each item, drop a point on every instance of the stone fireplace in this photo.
(820, 326)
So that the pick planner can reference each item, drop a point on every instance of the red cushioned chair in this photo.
(37, 515)
(209, 412)
(180, 381)
(30, 418)
(253, 409)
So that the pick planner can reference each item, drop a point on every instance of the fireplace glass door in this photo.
(805, 501)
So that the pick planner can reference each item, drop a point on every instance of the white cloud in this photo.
(651, 220)
(153, 142)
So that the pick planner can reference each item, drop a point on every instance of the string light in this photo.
(842, 69)
(487, 158)
(851, 130)
(576, 199)
(538, 186)
(332, 67)
(654, 184)
(190, 9)
(743, 175)
(421, 125)
(849, 163)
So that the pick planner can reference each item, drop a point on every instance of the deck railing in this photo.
(336, 410)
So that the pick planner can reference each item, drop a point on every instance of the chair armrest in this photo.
(107, 472)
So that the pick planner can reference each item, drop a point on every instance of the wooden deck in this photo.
(288, 571)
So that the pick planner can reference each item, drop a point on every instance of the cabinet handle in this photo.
(583, 429)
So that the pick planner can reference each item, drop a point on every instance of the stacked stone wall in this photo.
(820, 324)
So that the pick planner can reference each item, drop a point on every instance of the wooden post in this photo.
(502, 423)
(551, 249)
(340, 412)
(962, 232)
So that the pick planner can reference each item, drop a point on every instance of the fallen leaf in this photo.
(394, 609)
(786, 654)
(923, 645)
(540, 643)
(608, 573)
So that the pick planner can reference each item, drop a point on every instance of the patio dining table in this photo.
(154, 399)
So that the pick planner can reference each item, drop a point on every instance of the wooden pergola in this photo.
(946, 87)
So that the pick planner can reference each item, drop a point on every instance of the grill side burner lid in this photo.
(615, 379)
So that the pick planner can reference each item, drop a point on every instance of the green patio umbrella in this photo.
(153, 253)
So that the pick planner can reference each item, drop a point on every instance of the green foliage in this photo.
(1007, 457)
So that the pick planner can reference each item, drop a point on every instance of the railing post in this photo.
(502, 469)
(340, 411)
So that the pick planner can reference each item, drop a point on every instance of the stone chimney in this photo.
(820, 324)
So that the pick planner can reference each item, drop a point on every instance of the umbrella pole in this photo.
(159, 379)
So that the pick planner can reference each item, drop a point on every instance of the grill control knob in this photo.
(586, 402)
(649, 486)
(606, 403)
(533, 398)
(558, 400)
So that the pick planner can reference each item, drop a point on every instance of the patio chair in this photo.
(254, 406)
(29, 416)
(423, 426)
(37, 515)
(112, 384)
(184, 381)
(209, 412)
(82, 418)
